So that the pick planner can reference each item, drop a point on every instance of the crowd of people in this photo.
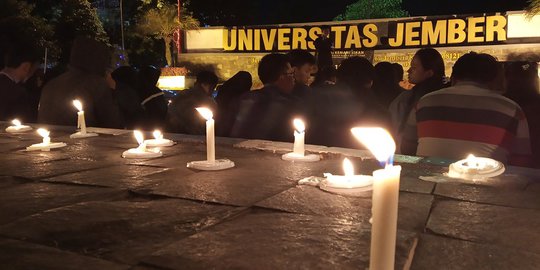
(485, 107)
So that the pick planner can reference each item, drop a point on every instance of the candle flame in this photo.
(205, 113)
(43, 132)
(138, 136)
(16, 122)
(157, 134)
(77, 105)
(299, 125)
(377, 140)
(470, 157)
(348, 167)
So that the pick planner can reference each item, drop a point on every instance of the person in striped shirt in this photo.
(471, 118)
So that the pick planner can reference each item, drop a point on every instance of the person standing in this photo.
(324, 46)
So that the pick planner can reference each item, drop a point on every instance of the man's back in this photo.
(465, 119)
(100, 108)
(14, 102)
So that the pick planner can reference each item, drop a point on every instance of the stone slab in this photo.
(269, 240)
(412, 213)
(434, 252)
(122, 231)
(487, 224)
(15, 255)
(123, 176)
(490, 195)
(18, 201)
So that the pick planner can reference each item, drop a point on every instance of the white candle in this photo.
(45, 134)
(17, 127)
(81, 123)
(210, 138)
(299, 137)
(385, 197)
(349, 180)
(140, 139)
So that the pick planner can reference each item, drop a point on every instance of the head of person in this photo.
(479, 68)
(427, 63)
(521, 78)
(207, 81)
(325, 29)
(20, 53)
(275, 69)
(398, 71)
(126, 75)
(385, 74)
(356, 72)
(303, 64)
(149, 76)
(90, 56)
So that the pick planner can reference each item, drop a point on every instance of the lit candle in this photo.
(45, 134)
(385, 197)
(140, 139)
(210, 144)
(475, 168)
(141, 151)
(158, 135)
(299, 137)
(81, 123)
(17, 127)
(349, 180)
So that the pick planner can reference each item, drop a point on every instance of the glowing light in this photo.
(158, 135)
(299, 125)
(78, 105)
(43, 132)
(377, 140)
(138, 136)
(348, 167)
(16, 122)
(205, 113)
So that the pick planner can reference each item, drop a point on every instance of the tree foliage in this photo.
(533, 8)
(372, 9)
(162, 23)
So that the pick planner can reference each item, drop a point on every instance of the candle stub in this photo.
(475, 168)
(46, 144)
(141, 151)
(17, 127)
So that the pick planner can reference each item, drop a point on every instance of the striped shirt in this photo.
(468, 119)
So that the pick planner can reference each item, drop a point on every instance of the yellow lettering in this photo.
(371, 39)
(495, 24)
(299, 36)
(245, 36)
(398, 40)
(433, 36)
(473, 29)
(283, 41)
(268, 38)
(229, 46)
(353, 37)
(314, 33)
(337, 34)
(411, 35)
(257, 39)
(456, 31)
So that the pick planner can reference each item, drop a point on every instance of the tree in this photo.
(371, 9)
(162, 23)
(533, 8)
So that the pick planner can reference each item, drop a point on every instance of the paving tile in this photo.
(413, 208)
(16, 255)
(434, 252)
(123, 176)
(487, 224)
(266, 240)
(490, 195)
(21, 200)
(122, 231)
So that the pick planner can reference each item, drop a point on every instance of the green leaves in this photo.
(371, 9)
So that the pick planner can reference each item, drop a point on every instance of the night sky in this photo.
(257, 12)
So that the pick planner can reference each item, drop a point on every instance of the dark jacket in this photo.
(84, 80)
(14, 101)
(182, 116)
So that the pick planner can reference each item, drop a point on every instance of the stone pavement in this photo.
(85, 207)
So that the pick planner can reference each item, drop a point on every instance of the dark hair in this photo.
(431, 59)
(385, 73)
(271, 67)
(300, 57)
(522, 78)
(125, 74)
(476, 67)
(149, 75)
(398, 70)
(208, 77)
(90, 55)
(355, 71)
